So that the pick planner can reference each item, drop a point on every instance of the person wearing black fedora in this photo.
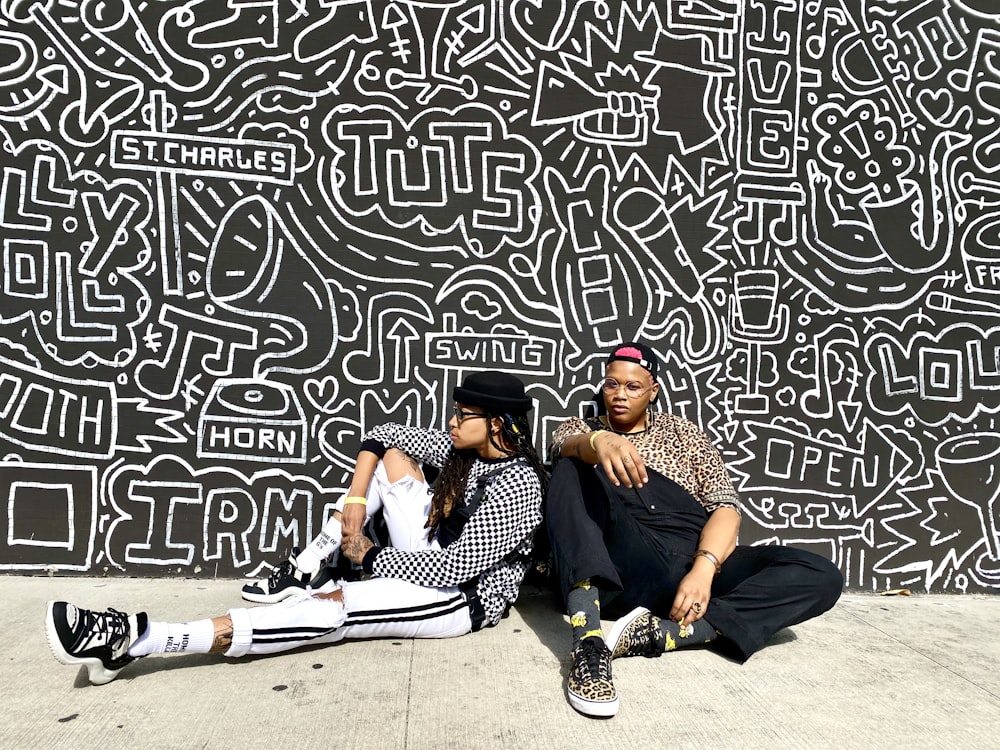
(642, 519)
(457, 554)
(376, 472)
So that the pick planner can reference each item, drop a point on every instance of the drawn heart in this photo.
(534, 22)
(937, 105)
(322, 394)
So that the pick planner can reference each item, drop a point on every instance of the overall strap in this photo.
(451, 526)
(459, 517)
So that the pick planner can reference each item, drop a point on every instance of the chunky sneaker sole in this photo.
(614, 637)
(94, 650)
(257, 592)
(261, 592)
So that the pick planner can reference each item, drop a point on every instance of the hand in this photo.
(620, 460)
(626, 104)
(691, 600)
(355, 547)
(352, 519)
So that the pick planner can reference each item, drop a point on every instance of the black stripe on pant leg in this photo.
(257, 639)
(401, 610)
(414, 617)
(367, 617)
(305, 629)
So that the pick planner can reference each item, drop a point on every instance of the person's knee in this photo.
(565, 484)
(819, 575)
(336, 595)
(569, 469)
(831, 582)
(399, 465)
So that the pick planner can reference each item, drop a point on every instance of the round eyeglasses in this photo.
(610, 386)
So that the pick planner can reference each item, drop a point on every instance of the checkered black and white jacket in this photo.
(496, 542)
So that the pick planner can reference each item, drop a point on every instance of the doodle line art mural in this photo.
(237, 234)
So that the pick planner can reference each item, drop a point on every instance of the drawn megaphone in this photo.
(612, 117)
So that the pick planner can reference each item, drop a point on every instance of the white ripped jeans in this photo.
(373, 608)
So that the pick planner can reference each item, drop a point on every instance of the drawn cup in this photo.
(756, 293)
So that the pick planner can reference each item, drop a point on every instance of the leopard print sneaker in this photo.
(589, 686)
(636, 634)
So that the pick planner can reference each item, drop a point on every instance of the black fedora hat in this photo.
(497, 392)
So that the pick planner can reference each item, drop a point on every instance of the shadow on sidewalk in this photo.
(539, 607)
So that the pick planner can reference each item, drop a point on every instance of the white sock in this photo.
(175, 637)
(325, 544)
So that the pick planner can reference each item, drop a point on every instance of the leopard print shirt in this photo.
(678, 449)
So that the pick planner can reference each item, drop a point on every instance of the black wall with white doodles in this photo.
(238, 234)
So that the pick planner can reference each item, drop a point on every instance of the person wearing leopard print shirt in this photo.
(643, 521)
(459, 551)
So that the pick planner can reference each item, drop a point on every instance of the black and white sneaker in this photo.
(285, 580)
(98, 640)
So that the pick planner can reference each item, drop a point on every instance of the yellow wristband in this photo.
(593, 436)
(356, 500)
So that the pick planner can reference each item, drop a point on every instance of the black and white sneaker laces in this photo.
(97, 639)
(285, 580)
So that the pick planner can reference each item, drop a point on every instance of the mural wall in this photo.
(237, 234)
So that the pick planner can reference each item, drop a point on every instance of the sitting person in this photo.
(459, 574)
(396, 487)
(643, 521)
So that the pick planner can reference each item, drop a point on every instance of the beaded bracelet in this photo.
(711, 558)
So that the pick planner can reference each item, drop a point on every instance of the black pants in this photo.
(635, 546)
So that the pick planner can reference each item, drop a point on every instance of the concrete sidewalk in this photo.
(875, 672)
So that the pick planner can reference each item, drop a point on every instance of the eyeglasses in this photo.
(633, 389)
(462, 414)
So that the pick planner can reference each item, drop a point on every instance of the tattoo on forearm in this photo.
(356, 547)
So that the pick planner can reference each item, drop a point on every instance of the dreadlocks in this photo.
(453, 479)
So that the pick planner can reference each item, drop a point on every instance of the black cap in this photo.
(497, 392)
(640, 354)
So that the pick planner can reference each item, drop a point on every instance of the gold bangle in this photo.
(711, 558)
(356, 500)
(593, 436)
